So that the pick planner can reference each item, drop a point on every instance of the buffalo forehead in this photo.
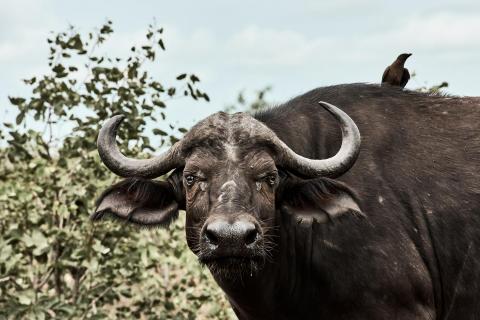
(222, 129)
(253, 159)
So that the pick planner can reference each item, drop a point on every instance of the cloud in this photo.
(24, 31)
(438, 31)
(301, 46)
(258, 46)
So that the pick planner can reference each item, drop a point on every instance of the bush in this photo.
(54, 263)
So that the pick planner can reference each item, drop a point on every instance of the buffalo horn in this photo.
(128, 167)
(331, 167)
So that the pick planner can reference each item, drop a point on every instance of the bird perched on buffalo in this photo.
(396, 74)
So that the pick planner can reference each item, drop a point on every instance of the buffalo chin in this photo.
(233, 268)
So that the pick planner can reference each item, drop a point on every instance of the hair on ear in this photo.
(298, 191)
(321, 195)
(138, 190)
(140, 201)
(175, 180)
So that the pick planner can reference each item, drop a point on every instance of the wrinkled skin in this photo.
(404, 245)
(233, 186)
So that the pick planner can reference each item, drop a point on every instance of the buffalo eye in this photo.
(271, 180)
(190, 180)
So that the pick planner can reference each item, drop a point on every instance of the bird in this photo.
(396, 74)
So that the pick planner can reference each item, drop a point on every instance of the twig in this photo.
(45, 279)
(104, 292)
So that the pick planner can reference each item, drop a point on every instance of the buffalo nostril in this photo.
(211, 236)
(250, 236)
(222, 234)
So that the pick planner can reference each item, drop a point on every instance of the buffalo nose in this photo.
(224, 233)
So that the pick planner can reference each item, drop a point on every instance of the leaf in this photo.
(30, 81)
(160, 43)
(173, 139)
(16, 101)
(26, 297)
(181, 76)
(36, 240)
(194, 78)
(159, 103)
(106, 29)
(98, 247)
(60, 71)
(5, 252)
(159, 132)
(20, 117)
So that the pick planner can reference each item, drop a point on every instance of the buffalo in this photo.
(296, 218)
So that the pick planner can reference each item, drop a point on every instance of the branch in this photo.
(94, 301)
(45, 279)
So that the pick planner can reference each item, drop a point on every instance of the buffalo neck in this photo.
(252, 297)
(267, 294)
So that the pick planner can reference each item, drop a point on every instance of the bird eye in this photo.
(190, 180)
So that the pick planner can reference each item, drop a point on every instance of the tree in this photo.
(244, 104)
(434, 89)
(54, 263)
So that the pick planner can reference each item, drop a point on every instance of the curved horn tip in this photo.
(117, 119)
(124, 166)
(109, 127)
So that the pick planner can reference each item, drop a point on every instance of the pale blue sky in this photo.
(294, 46)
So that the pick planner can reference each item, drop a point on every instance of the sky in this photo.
(292, 46)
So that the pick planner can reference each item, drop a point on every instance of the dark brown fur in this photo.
(404, 245)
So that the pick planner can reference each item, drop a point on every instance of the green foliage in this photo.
(435, 89)
(55, 263)
(243, 104)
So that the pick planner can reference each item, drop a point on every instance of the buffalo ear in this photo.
(139, 201)
(320, 199)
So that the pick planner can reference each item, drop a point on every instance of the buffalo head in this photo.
(231, 174)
